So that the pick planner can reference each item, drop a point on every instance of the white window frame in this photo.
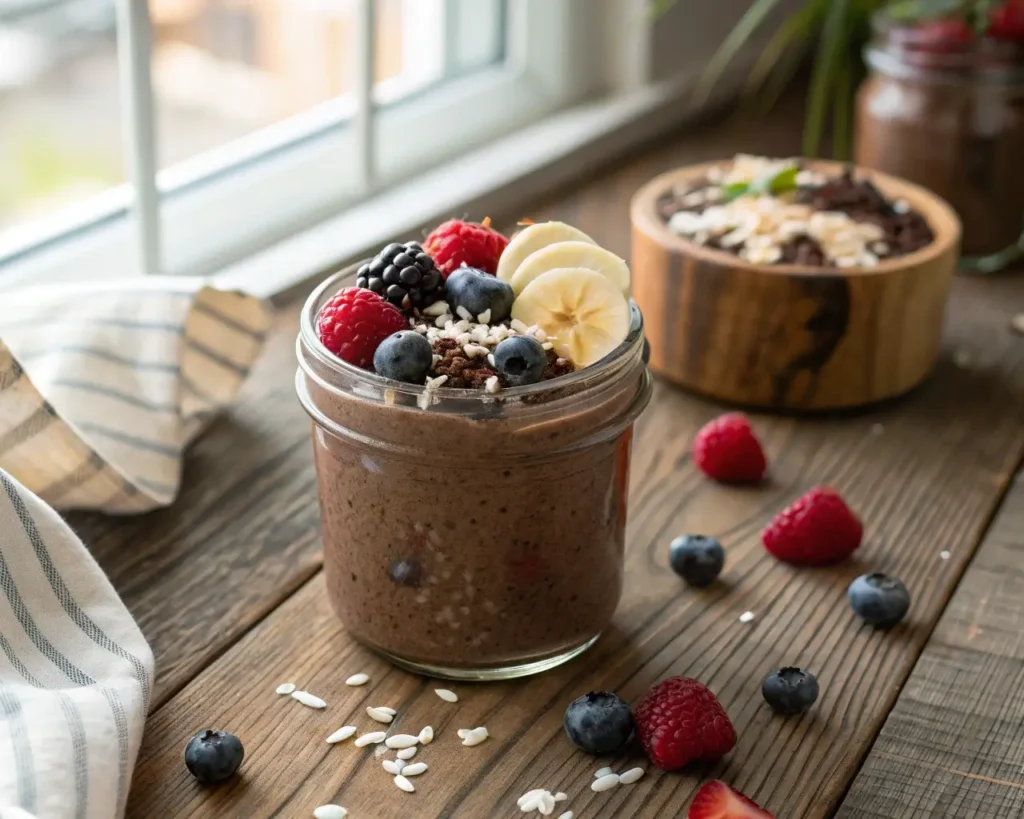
(202, 214)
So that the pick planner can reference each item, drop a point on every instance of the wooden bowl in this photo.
(791, 337)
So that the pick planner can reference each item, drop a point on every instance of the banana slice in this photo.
(532, 239)
(583, 313)
(572, 254)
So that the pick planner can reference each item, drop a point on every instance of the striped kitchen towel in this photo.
(76, 673)
(102, 386)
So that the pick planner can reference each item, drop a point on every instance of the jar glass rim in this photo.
(310, 344)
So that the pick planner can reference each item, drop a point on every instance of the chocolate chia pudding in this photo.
(473, 533)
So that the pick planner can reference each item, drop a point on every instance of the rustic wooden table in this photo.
(926, 720)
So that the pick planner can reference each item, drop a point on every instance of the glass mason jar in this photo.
(468, 535)
(949, 116)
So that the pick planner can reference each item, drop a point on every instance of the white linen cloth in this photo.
(101, 389)
(103, 386)
(76, 673)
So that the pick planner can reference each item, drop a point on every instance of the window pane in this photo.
(225, 68)
(60, 138)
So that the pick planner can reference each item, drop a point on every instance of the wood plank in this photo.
(954, 743)
(243, 535)
(924, 473)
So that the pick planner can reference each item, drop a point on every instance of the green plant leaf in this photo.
(784, 180)
(735, 190)
(841, 110)
(831, 51)
(783, 55)
(659, 8)
(731, 45)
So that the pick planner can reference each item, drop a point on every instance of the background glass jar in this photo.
(480, 537)
(949, 116)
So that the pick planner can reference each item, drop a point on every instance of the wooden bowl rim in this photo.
(947, 227)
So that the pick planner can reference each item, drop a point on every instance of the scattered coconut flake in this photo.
(341, 735)
(602, 772)
(944, 555)
(1017, 323)
(746, 617)
(547, 345)
(464, 313)
(490, 360)
(372, 738)
(561, 796)
(444, 693)
(399, 741)
(529, 796)
(285, 688)
(567, 815)
(476, 736)
(415, 769)
(330, 812)
(474, 350)
(386, 709)
(378, 715)
(485, 316)
(518, 326)
(605, 783)
(393, 767)
(442, 321)
(963, 359)
(407, 753)
(463, 732)
(631, 776)
(426, 735)
(547, 804)
(358, 679)
(492, 385)
(308, 699)
(404, 784)
(901, 206)
(540, 335)
(438, 308)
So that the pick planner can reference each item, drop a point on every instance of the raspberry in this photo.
(456, 243)
(355, 321)
(716, 800)
(1006, 22)
(817, 529)
(725, 449)
(681, 721)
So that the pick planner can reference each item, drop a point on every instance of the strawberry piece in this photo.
(1006, 22)
(354, 323)
(726, 450)
(456, 243)
(817, 529)
(716, 800)
(680, 721)
(943, 34)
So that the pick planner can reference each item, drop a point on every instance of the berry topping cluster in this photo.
(470, 309)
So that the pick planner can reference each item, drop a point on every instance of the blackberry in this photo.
(404, 275)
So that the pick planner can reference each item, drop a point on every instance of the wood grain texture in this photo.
(789, 337)
(953, 746)
(241, 537)
(244, 532)
(925, 474)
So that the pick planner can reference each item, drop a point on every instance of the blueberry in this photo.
(521, 360)
(879, 599)
(404, 356)
(478, 292)
(598, 722)
(405, 572)
(789, 690)
(213, 756)
(697, 559)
